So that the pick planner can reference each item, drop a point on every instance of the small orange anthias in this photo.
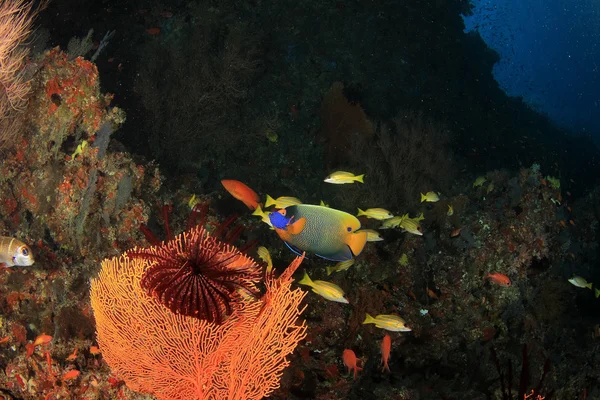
(242, 192)
(350, 361)
(386, 346)
(499, 279)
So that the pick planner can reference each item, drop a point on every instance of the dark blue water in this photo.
(549, 55)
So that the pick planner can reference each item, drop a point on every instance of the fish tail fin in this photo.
(423, 197)
(306, 280)
(589, 285)
(369, 319)
(360, 178)
(258, 211)
(331, 269)
(269, 202)
(360, 212)
(356, 241)
(597, 292)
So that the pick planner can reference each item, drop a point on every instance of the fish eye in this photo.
(25, 251)
(349, 229)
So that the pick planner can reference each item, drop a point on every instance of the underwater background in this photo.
(436, 162)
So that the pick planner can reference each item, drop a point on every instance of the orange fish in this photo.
(432, 294)
(73, 356)
(72, 374)
(499, 278)
(350, 361)
(42, 339)
(241, 192)
(94, 350)
(5, 339)
(386, 346)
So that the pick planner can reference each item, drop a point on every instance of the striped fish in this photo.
(14, 252)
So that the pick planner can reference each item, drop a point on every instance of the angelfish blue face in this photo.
(279, 220)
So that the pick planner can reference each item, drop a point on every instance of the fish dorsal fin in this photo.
(296, 227)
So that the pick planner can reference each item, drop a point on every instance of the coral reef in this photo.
(179, 357)
(84, 198)
(73, 198)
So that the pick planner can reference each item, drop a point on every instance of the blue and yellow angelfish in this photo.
(324, 231)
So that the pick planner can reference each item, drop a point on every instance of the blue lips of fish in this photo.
(323, 231)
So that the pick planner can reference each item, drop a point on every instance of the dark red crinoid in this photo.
(196, 274)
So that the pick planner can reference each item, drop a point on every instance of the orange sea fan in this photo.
(178, 357)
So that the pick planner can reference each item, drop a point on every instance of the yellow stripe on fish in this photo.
(327, 290)
(264, 255)
(259, 212)
(389, 322)
(341, 266)
(342, 177)
(14, 252)
(372, 235)
(282, 201)
(375, 213)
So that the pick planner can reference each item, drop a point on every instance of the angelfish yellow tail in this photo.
(356, 241)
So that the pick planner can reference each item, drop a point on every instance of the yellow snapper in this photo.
(431, 197)
(341, 266)
(389, 322)
(393, 222)
(328, 290)
(375, 213)
(264, 216)
(580, 282)
(326, 232)
(479, 181)
(264, 255)
(342, 177)
(372, 235)
(411, 225)
(281, 202)
(14, 252)
(450, 210)
(193, 201)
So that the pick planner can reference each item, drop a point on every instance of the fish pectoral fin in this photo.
(296, 227)
(356, 242)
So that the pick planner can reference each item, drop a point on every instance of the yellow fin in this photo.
(270, 201)
(306, 280)
(356, 241)
(369, 319)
